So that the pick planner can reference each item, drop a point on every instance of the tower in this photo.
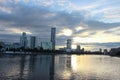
(23, 40)
(53, 36)
(69, 43)
(32, 42)
(78, 48)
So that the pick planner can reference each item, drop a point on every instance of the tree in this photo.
(1, 45)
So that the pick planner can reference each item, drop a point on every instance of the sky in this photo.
(93, 24)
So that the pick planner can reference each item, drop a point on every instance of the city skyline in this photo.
(90, 24)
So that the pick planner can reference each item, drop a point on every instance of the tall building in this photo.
(53, 36)
(78, 48)
(69, 43)
(100, 50)
(32, 42)
(23, 40)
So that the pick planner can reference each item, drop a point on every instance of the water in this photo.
(59, 67)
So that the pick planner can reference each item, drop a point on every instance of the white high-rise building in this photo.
(69, 43)
(32, 42)
(23, 40)
(53, 36)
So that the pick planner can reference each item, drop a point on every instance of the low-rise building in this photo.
(46, 45)
(115, 51)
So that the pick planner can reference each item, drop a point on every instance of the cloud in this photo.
(5, 9)
(38, 18)
(65, 32)
(79, 28)
(115, 30)
(97, 25)
(35, 20)
(102, 45)
(98, 46)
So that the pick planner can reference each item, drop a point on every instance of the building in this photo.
(16, 45)
(82, 50)
(62, 49)
(100, 50)
(105, 51)
(23, 40)
(78, 48)
(2, 46)
(9, 46)
(46, 45)
(32, 42)
(115, 51)
(53, 36)
(69, 43)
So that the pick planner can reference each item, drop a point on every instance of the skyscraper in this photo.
(78, 48)
(23, 40)
(69, 43)
(53, 36)
(32, 42)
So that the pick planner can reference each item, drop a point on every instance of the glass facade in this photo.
(46, 45)
(53, 36)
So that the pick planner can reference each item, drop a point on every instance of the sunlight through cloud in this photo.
(65, 32)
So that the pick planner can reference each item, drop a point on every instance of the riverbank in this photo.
(46, 53)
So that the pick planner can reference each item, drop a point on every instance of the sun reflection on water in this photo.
(74, 63)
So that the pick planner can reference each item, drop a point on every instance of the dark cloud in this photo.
(62, 40)
(38, 20)
(9, 37)
(97, 25)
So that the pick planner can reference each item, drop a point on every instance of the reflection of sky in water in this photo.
(87, 67)
(50, 67)
(25, 67)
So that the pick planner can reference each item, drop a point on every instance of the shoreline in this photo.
(53, 53)
(47, 53)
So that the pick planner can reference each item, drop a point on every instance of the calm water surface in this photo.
(59, 67)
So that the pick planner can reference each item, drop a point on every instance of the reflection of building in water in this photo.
(52, 71)
(68, 62)
(41, 67)
(31, 67)
(63, 67)
(64, 61)
(22, 67)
